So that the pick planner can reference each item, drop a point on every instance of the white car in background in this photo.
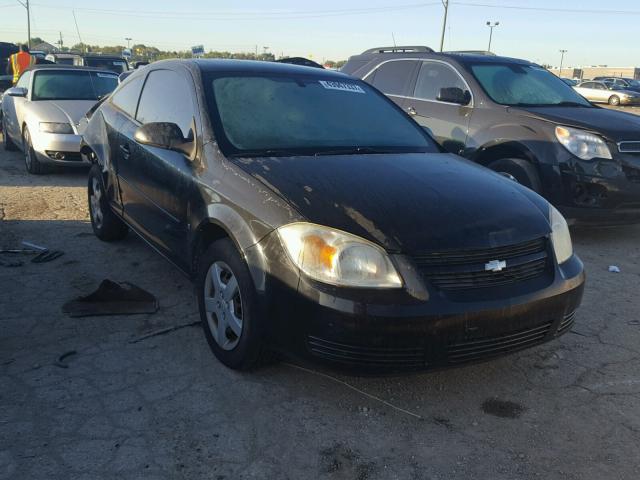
(607, 92)
(41, 114)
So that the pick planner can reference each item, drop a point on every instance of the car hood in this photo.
(68, 111)
(614, 125)
(407, 203)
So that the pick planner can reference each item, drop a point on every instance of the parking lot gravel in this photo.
(81, 398)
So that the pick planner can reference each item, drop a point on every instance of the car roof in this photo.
(58, 66)
(250, 66)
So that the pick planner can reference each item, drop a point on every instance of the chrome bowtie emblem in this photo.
(495, 265)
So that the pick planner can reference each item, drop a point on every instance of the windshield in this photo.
(525, 85)
(633, 83)
(114, 64)
(72, 85)
(298, 115)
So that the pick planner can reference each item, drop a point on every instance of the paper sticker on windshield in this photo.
(105, 75)
(345, 87)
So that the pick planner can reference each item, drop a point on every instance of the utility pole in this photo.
(59, 42)
(25, 4)
(445, 4)
(491, 27)
(562, 52)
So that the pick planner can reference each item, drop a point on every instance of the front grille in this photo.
(629, 147)
(467, 269)
(487, 347)
(373, 357)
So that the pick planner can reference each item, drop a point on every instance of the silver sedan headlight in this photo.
(560, 236)
(338, 258)
(54, 127)
(582, 144)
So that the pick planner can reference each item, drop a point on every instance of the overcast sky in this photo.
(593, 32)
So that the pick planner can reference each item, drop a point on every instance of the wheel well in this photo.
(486, 155)
(207, 234)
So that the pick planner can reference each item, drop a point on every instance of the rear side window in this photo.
(587, 85)
(435, 76)
(166, 97)
(393, 77)
(126, 97)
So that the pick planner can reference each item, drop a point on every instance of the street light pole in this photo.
(128, 39)
(562, 52)
(491, 27)
(445, 4)
(25, 4)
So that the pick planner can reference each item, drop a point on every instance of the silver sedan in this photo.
(41, 114)
(606, 92)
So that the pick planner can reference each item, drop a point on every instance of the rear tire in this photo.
(107, 226)
(229, 309)
(519, 170)
(31, 161)
(614, 100)
(7, 143)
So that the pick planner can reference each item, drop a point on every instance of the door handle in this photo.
(126, 152)
(412, 111)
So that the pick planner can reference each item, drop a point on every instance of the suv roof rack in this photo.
(399, 49)
(471, 52)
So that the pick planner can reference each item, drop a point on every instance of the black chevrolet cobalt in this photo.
(318, 220)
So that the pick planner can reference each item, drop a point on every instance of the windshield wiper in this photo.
(272, 152)
(357, 151)
(570, 104)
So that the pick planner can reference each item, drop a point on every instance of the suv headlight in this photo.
(582, 144)
(560, 236)
(338, 258)
(53, 127)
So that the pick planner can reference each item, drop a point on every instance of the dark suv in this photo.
(518, 119)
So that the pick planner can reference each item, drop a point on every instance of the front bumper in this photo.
(49, 147)
(394, 330)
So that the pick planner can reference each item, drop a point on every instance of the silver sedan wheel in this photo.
(94, 199)
(26, 145)
(223, 305)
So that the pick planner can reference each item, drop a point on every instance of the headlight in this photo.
(52, 127)
(338, 258)
(560, 236)
(582, 144)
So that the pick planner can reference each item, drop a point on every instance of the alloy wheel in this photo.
(223, 305)
(26, 144)
(95, 200)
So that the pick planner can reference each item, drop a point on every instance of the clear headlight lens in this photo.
(53, 127)
(582, 144)
(338, 258)
(560, 236)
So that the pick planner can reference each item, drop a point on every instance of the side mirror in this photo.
(165, 135)
(16, 92)
(454, 95)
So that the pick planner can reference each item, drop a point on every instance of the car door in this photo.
(159, 181)
(394, 78)
(14, 109)
(447, 122)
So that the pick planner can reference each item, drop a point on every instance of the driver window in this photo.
(23, 82)
(435, 76)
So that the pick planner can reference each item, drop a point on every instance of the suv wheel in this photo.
(518, 170)
(7, 143)
(31, 161)
(228, 305)
(106, 225)
(614, 100)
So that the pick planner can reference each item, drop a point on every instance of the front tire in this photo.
(614, 100)
(519, 170)
(229, 308)
(107, 226)
(31, 161)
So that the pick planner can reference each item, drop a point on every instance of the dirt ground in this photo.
(164, 408)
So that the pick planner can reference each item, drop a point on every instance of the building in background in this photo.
(588, 73)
